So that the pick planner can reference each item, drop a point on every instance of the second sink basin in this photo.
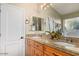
(75, 49)
(64, 44)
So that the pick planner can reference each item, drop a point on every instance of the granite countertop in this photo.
(51, 43)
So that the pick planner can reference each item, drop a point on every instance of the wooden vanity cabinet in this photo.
(38, 52)
(50, 51)
(35, 48)
(38, 49)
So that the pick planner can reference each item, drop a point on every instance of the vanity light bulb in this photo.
(44, 4)
(41, 6)
(51, 4)
(44, 8)
(47, 5)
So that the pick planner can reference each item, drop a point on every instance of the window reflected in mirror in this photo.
(52, 24)
(71, 27)
(36, 24)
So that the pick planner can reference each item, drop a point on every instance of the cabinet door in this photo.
(30, 47)
(38, 46)
(32, 51)
(38, 49)
(48, 50)
(54, 52)
(61, 53)
(38, 52)
(28, 50)
(47, 53)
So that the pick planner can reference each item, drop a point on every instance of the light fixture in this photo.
(51, 4)
(26, 21)
(41, 6)
(46, 5)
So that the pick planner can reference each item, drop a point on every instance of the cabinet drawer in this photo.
(39, 46)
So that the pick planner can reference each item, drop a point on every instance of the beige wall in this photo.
(42, 13)
(71, 15)
(50, 12)
(35, 10)
(31, 9)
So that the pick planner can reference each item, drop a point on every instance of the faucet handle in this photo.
(71, 40)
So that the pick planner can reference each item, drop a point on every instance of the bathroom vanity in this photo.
(42, 47)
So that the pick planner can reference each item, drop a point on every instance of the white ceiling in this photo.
(66, 8)
(61, 8)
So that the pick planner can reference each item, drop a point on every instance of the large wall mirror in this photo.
(37, 24)
(45, 24)
(71, 27)
(52, 24)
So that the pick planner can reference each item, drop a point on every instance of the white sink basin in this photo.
(64, 44)
(75, 49)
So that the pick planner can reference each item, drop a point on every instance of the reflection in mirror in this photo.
(71, 27)
(36, 24)
(46, 24)
(52, 24)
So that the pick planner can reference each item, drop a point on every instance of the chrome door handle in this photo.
(21, 37)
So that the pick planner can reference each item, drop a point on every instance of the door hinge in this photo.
(0, 34)
(0, 10)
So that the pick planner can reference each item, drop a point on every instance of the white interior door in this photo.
(3, 31)
(14, 28)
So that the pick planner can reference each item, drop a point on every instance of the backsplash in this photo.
(66, 39)
(33, 35)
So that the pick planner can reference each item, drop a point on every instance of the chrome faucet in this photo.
(68, 40)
